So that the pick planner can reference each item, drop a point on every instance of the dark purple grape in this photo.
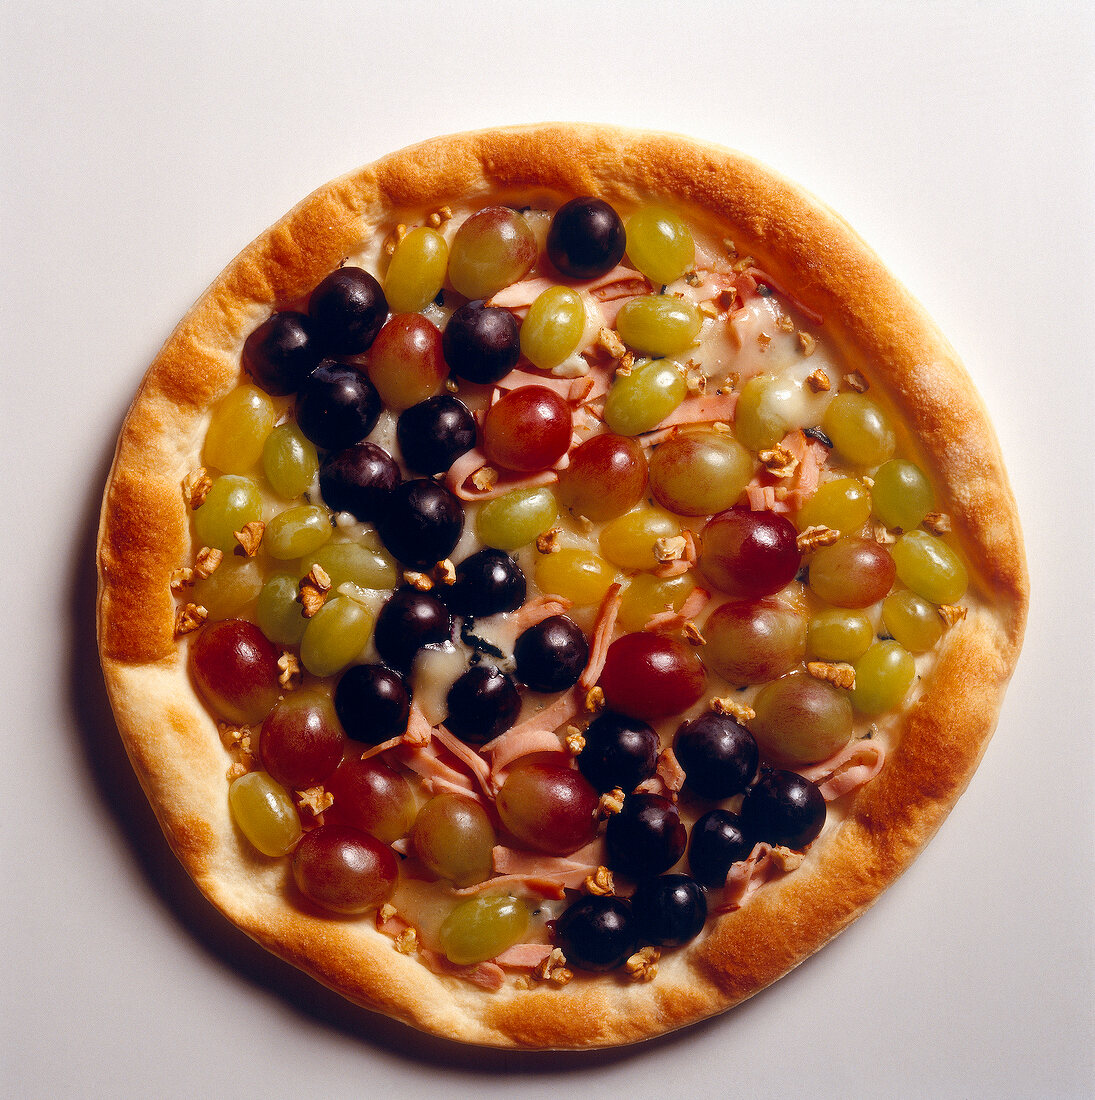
(646, 837)
(482, 343)
(619, 752)
(434, 433)
(719, 755)
(348, 309)
(669, 910)
(716, 843)
(552, 654)
(597, 933)
(281, 353)
(372, 703)
(488, 582)
(586, 238)
(422, 524)
(337, 406)
(408, 621)
(483, 703)
(359, 480)
(783, 808)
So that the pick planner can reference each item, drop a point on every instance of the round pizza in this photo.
(553, 581)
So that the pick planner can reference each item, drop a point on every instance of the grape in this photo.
(372, 797)
(783, 808)
(930, 567)
(238, 429)
(408, 621)
(660, 244)
(422, 524)
(716, 844)
(231, 503)
(344, 869)
(718, 754)
(553, 327)
(670, 910)
(347, 309)
(903, 496)
(619, 752)
(699, 473)
(335, 636)
(483, 703)
(481, 343)
(281, 353)
(647, 595)
(659, 324)
(748, 643)
(516, 518)
(279, 612)
(527, 430)
(481, 928)
(883, 676)
(650, 676)
(229, 588)
(406, 363)
(761, 419)
(912, 621)
(859, 429)
(337, 406)
(359, 480)
(852, 572)
(301, 741)
(297, 531)
(597, 933)
(487, 583)
(577, 575)
(372, 703)
(454, 839)
(638, 402)
(416, 271)
(586, 238)
(629, 541)
(749, 554)
(834, 634)
(842, 504)
(551, 655)
(236, 671)
(606, 476)
(548, 806)
(354, 563)
(433, 434)
(264, 813)
(492, 249)
(646, 837)
(800, 720)
(289, 461)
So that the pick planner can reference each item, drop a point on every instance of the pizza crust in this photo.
(176, 748)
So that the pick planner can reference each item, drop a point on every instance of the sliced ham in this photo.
(619, 282)
(747, 876)
(486, 975)
(668, 621)
(848, 770)
(467, 756)
(669, 770)
(536, 611)
(551, 717)
(602, 636)
(523, 956)
(512, 746)
(516, 379)
(540, 885)
(705, 409)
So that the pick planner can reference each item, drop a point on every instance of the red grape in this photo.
(236, 671)
(749, 643)
(372, 797)
(406, 363)
(749, 554)
(301, 741)
(606, 476)
(344, 869)
(527, 430)
(548, 806)
(649, 676)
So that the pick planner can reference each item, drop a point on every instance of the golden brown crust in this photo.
(144, 537)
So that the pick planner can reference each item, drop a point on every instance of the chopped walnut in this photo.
(233, 736)
(595, 700)
(289, 673)
(779, 461)
(600, 883)
(485, 478)
(643, 965)
(313, 590)
(188, 618)
(196, 486)
(440, 216)
(394, 238)
(235, 771)
(709, 309)
(786, 859)
(808, 343)
(207, 561)
(610, 341)
(548, 542)
(813, 537)
(819, 381)
(406, 943)
(692, 633)
(731, 248)
(856, 381)
(444, 572)
(181, 578)
(695, 380)
(721, 426)
(938, 523)
(422, 581)
(744, 263)
(522, 981)
(763, 339)
(692, 278)
(952, 613)
(625, 365)
(385, 913)
(785, 324)
(670, 548)
(451, 385)
(575, 740)
(250, 537)
(314, 799)
(611, 803)
(840, 675)
(553, 969)
(738, 711)
(882, 534)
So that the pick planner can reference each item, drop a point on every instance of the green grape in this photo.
(659, 324)
(835, 634)
(264, 813)
(577, 575)
(638, 402)
(229, 588)
(238, 430)
(232, 502)
(700, 473)
(628, 542)
(883, 676)
(647, 595)
(417, 271)
(759, 421)
(454, 839)
(859, 429)
(480, 928)
(335, 636)
(278, 612)
(913, 621)
(800, 720)
(843, 504)
(930, 567)
(902, 494)
(289, 461)
(553, 327)
(516, 518)
(365, 566)
(660, 244)
(492, 249)
(297, 531)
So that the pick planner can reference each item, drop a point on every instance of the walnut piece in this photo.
(548, 542)
(600, 883)
(840, 675)
(440, 216)
(575, 740)
(882, 534)
(611, 803)
(207, 561)
(643, 965)
(819, 381)
(235, 771)
(856, 381)
(813, 537)
(952, 613)
(553, 969)
(313, 590)
(485, 478)
(670, 547)
(786, 859)
(938, 523)
(444, 572)
(250, 537)
(610, 341)
(808, 343)
(406, 943)
(595, 700)
(196, 486)
(422, 581)
(188, 618)
(779, 461)
(692, 633)
(289, 673)
(738, 711)
(181, 578)
(314, 799)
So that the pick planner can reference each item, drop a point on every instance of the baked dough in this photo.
(174, 744)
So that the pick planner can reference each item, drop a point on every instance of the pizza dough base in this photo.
(872, 321)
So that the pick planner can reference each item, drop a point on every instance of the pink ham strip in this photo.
(506, 482)
(540, 885)
(516, 379)
(383, 747)
(679, 566)
(673, 620)
(602, 636)
(550, 718)
(620, 281)
(747, 876)
(523, 956)
(536, 611)
(570, 870)
(424, 761)
(669, 770)
(848, 770)
(701, 410)
(798, 303)
(510, 747)
(486, 975)
(468, 757)
(391, 926)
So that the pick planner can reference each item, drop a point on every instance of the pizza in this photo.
(553, 581)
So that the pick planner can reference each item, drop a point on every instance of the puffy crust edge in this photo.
(173, 742)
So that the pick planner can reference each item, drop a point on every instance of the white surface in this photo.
(145, 144)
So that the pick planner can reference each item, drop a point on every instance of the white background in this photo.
(144, 144)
